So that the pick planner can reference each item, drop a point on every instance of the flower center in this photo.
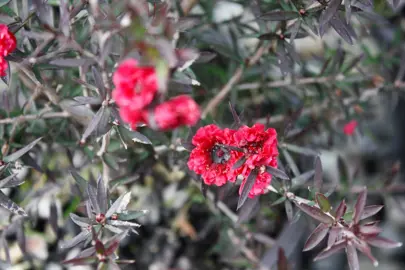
(220, 155)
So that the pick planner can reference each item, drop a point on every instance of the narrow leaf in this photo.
(81, 182)
(316, 236)
(94, 123)
(92, 193)
(71, 62)
(333, 235)
(343, 29)
(76, 240)
(341, 210)
(382, 242)
(4, 183)
(352, 257)
(80, 221)
(323, 202)
(16, 155)
(101, 195)
(98, 80)
(246, 187)
(331, 250)
(316, 213)
(330, 11)
(370, 210)
(279, 15)
(119, 205)
(11, 206)
(235, 116)
(289, 210)
(277, 173)
(87, 100)
(359, 206)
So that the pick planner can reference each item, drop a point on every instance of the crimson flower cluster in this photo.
(8, 43)
(135, 90)
(220, 155)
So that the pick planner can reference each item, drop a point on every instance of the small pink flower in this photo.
(349, 128)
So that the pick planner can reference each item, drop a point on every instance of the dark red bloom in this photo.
(260, 148)
(136, 86)
(179, 111)
(8, 43)
(350, 127)
(210, 158)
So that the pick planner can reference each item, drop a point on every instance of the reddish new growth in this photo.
(8, 43)
(221, 155)
(136, 89)
(350, 127)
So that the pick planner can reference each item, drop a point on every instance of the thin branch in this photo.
(234, 80)
(29, 117)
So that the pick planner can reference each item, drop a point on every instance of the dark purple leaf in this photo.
(119, 205)
(295, 32)
(289, 210)
(239, 163)
(99, 247)
(282, 263)
(333, 235)
(235, 116)
(134, 136)
(87, 100)
(269, 36)
(205, 57)
(186, 23)
(246, 187)
(92, 193)
(98, 123)
(279, 15)
(329, 12)
(291, 52)
(365, 249)
(331, 250)
(76, 240)
(17, 154)
(4, 245)
(341, 210)
(131, 215)
(323, 202)
(343, 29)
(302, 178)
(11, 206)
(53, 218)
(352, 257)
(370, 230)
(112, 228)
(316, 213)
(98, 80)
(382, 242)
(359, 206)
(101, 195)
(353, 63)
(250, 208)
(71, 62)
(277, 173)
(278, 201)
(316, 236)
(370, 210)
(5, 183)
(80, 181)
(80, 221)
(348, 9)
(318, 173)
(6, 78)
(29, 161)
(81, 260)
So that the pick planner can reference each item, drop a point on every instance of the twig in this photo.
(234, 80)
(23, 118)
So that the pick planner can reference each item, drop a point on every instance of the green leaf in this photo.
(7, 10)
(16, 155)
(130, 215)
(323, 202)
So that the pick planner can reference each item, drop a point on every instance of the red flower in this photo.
(8, 43)
(178, 111)
(260, 148)
(349, 128)
(132, 116)
(135, 86)
(210, 158)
